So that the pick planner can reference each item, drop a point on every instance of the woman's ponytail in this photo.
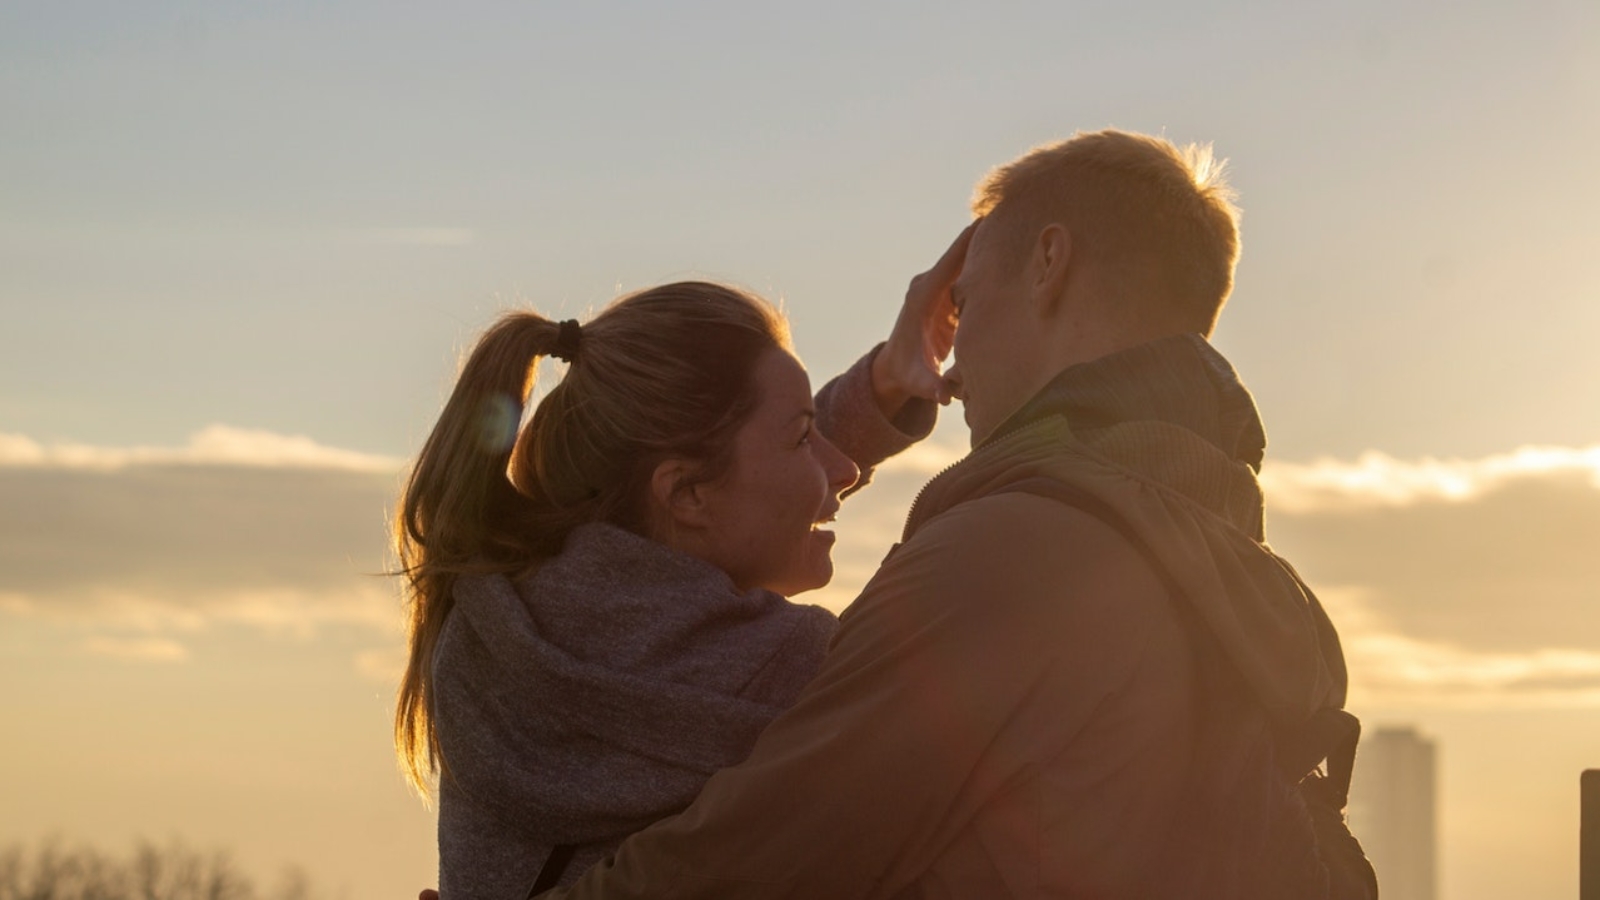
(459, 508)
(662, 374)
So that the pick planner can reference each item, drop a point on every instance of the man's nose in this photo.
(952, 382)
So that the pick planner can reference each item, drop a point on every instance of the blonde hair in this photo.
(663, 373)
(1160, 219)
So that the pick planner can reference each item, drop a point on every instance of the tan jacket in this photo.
(1011, 708)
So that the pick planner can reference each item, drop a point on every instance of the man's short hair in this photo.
(1158, 220)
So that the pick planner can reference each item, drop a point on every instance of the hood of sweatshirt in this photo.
(1167, 435)
(595, 695)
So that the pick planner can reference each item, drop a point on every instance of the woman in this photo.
(596, 614)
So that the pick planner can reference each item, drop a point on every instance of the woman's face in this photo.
(761, 517)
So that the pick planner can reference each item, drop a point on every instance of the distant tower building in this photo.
(1394, 809)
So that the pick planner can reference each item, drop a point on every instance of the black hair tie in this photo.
(567, 340)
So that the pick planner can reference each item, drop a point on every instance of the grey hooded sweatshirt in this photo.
(580, 704)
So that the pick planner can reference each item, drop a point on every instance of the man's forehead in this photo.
(981, 247)
(982, 235)
(980, 244)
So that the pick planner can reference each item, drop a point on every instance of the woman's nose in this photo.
(842, 470)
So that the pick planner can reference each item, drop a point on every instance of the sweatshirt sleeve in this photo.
(848, 414)
(927, 706)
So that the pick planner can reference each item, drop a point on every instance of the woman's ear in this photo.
(677, 496)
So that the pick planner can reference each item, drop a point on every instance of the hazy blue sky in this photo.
(288, 215)
(224, 226)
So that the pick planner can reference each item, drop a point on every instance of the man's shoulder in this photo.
(1021, 554)
(1025, 589)
(1033, 517)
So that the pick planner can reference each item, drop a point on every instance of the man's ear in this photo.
(1048, 264)
(677, 494)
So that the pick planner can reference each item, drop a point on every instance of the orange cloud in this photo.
(162, 650)
(216, 445)
(1377, 479)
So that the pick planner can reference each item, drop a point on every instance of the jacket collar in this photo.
(1179, 380)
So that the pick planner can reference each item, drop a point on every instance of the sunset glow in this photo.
(244, 247)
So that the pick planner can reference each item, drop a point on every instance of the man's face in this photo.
(997, 341)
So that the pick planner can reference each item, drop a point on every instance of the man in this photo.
(1066, 680)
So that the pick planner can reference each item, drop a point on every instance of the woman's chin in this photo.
(817, 575)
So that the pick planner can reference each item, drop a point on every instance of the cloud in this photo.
(217, 445)
(373, 607)
(1399, 668)
(1376, 479)
(161, 650)
(1392, 669)
(1511, 569)
(1467, 581)
(177, 529)
(279, 534)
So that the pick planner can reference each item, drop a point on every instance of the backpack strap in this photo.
(554, 865)
(1330, 734)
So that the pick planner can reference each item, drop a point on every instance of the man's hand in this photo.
(910, 362)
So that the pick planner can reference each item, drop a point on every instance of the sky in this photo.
(243, 246)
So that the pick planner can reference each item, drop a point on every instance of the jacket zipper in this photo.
(993, 441)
